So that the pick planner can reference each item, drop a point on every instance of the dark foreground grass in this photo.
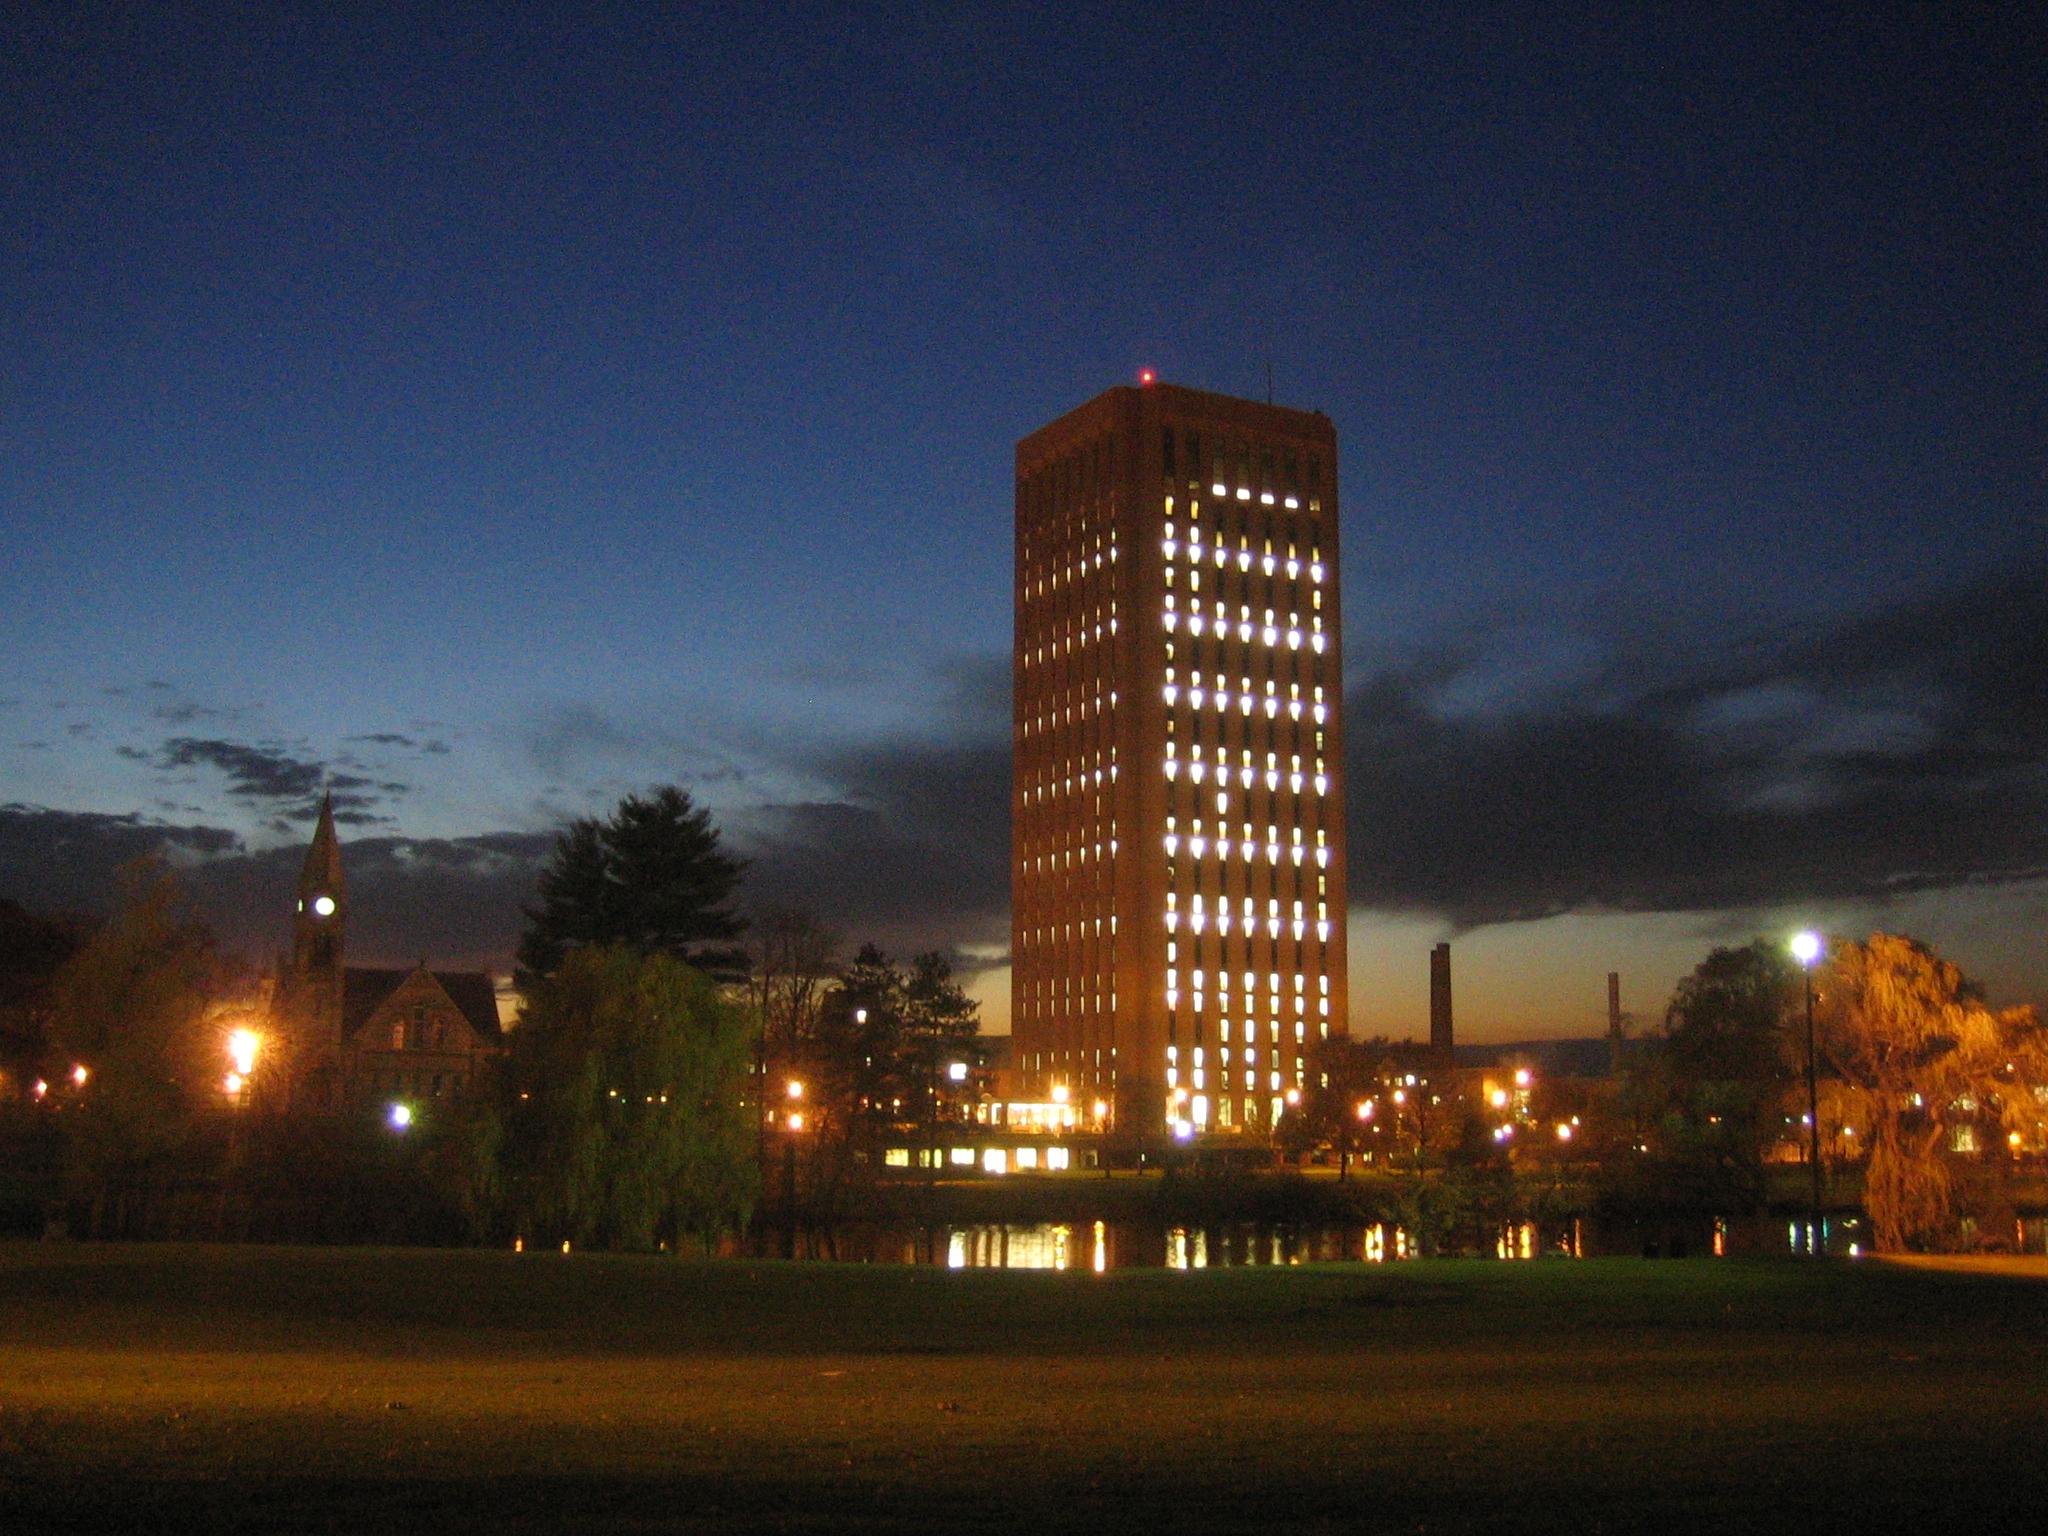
(274, 1389)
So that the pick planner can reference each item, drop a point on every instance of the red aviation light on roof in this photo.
(1146, 376)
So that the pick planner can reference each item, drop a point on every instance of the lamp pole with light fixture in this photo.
(1806, 949)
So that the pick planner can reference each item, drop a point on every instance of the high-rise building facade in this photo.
(1177, 814)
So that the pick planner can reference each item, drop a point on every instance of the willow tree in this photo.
(628, 1123)
(1909, 1032)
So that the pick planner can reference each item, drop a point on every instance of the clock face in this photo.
(323, 906)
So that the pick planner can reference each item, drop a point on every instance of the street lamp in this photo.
(1806, 948)
(243, 1045)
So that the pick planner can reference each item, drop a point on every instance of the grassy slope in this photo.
(318, 1389)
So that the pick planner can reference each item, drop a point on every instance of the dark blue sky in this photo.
(584, 402)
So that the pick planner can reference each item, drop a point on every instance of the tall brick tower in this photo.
(1442, 1046)
(1177, 814)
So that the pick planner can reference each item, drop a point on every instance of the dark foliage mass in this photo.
(652, 877)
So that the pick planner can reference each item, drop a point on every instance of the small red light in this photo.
(1146, 375)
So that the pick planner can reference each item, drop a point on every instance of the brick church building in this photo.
(356, 1032)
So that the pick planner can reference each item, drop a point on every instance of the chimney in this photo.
(1614, 1034)
(1440, 1045)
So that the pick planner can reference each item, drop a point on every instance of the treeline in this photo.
(1926, 1106)
(634, 1108)
(676, 1075)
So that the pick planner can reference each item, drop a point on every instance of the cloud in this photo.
(455, 901)
(253, 772)
(64, 861)
(1892, 752)
(402, 741)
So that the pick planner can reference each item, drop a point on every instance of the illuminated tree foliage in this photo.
(628, 1123)
(1912, 1035)
(651, 877)
(130, 1007)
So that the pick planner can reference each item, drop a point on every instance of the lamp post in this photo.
(1806, 947)
(793, 1123)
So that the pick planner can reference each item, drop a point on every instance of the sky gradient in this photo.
(491, 417)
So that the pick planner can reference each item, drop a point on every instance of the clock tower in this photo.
(318, 927)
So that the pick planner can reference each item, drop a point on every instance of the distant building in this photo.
(1178, 808)
(355, 1032)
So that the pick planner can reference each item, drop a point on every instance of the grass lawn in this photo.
(219, 1389)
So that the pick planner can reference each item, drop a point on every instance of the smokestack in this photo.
(1440, 1005)
(1614, 1035)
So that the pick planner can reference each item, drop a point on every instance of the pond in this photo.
(1101, 1246)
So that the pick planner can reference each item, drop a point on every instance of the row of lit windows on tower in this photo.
(1069, 932)
(1051, 584)
(1267, 630)
(1072, 776)
(1090, 705)
(1249, 847)
(1072, 638)
(1247, 919)
(1222, 555)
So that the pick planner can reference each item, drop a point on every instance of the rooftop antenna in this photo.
(1269, 376)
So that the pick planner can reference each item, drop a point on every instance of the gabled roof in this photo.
(365, 989)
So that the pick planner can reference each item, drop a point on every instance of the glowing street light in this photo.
(243, 1044)
(795, 1089)
(79, 1075)
(956, 1071)
(400, 1117)
(1806, 949)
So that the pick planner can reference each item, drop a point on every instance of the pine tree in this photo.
(652, 878)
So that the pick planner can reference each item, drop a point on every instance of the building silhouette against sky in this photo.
(1177, 919)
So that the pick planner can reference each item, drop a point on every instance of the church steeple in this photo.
(322, 916)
